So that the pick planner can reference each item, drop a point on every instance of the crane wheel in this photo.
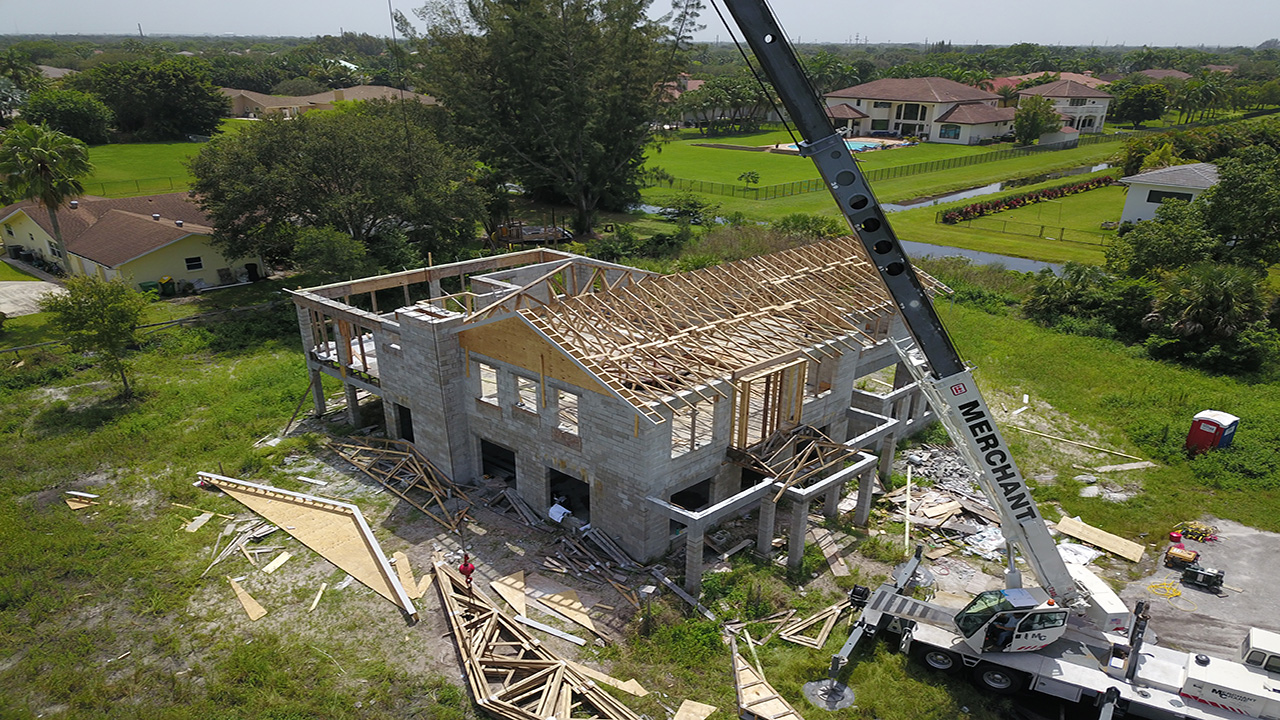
(999, 680)
(944, 661)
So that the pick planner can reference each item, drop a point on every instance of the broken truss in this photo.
(757, 700)
(793, 456)
(511, 674)
(400, 468)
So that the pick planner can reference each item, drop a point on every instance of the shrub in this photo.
(977, 210)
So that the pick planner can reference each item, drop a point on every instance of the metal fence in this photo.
(1048, 232)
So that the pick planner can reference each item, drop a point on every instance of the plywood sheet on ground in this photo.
(1114, 544)
(630, 686)
(563, 601)
(251, 606)
(690, 710)
(405, 572)
(334, 529)
(511, 589)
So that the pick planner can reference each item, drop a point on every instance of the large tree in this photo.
(1034, 118)
(1139, 103)
(560, 93)
(98, 316)
(75, 113)
(163, 99)
(375, 172)
(44, 165)
(1244, 207)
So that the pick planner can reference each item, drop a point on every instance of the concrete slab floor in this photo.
(1198, 621)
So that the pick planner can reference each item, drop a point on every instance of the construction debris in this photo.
(251, 606)
(679, 591)
(757, 700)
(794, 631)
(405, 573)
(511, 674)
(254, 530)
(550, 630)
(319, 594)
(629, 686)
(199, 510)
(1113, 544)
(507, 501)
(511, 589)
(199, 522)
(334, 529)
(690, 710)
(400, 468)
(826, 542)
(275, 564)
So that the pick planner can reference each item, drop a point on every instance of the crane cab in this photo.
(1013, 620)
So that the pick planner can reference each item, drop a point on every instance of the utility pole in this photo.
(144, 37)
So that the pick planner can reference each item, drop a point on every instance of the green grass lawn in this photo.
(10, 273)
(127, 169)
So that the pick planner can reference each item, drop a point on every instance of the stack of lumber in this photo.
(400, 468)
(512, 675)
(507, 501)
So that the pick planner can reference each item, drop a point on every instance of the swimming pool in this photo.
(854, 145)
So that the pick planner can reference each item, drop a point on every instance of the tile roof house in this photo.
(934, 109)
(1015, 80)
(1081, 106)
(1146, 191)
(140, 238)
(1156, 74)
(247, 103)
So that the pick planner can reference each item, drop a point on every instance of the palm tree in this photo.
(46, 166)
(1008, 95)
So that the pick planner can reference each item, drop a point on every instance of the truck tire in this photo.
(999, 680)
(944, 661)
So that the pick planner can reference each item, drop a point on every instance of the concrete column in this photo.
(831, 503)
(435, 289)
(863, 511)
(764, 535)
(888, 449)
(317, 390)
(353, 405)
(695, 536)
(799, 528)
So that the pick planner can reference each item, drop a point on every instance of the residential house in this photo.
(247, 103)
(1181, 182)
(1161, 74)
(143, 239)
(934, 109)
(1015, 80)
(650, 406)
(1081, 107)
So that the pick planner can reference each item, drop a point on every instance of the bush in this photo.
(78, 114)
(688, 207)
(810, 226)
(977, 210)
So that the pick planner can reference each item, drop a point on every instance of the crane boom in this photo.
(944, 376)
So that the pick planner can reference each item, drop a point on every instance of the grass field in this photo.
(127, 169)
(9, 273)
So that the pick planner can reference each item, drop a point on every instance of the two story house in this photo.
(1081, 107)
(933, 108)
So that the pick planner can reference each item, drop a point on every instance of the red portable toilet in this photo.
(1211, 429)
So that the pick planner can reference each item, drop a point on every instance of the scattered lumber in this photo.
(629, 686)
(508, 502)
(334, 529)
(611, 549)
(825, 620)
(76, 503)
(251, 606)
(188, 507)
(1113, 544)
(827, 543)
(1074, 442)
(405, 573)
(550, 630)
(679, 591)
(511, 589)
(512, 675)
(319, 594)
(690, 710)
(757, 700)
(400, 468)
(254, 530)
(275, 564)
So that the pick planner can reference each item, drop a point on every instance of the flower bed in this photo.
(977, 210)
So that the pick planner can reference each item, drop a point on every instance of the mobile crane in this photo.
(1071, 637)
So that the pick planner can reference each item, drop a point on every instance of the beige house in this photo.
(934, 109)
(1081, 107)
(142, 239)
(247, 103)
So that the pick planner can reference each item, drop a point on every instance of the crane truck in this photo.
(1070, 637)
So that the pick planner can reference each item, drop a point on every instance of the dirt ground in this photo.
(1215, 625)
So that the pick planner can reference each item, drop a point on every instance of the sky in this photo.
(1074, 22)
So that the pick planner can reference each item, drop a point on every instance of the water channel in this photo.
(988, 189)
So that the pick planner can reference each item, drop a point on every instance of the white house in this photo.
(1082, 107)
(933, 108)
(1180, 182)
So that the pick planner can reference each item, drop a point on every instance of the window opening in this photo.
(498, 462)
(567, 418)
(488, 383)
(195, 263)
(527, 394)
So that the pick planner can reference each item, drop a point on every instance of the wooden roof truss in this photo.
(400, 468)
(795, 456)
(659, 337)
(511, 673)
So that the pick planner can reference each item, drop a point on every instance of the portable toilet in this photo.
(1211, 429)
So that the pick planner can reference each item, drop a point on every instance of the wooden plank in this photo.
(334, 529)
(405, 573)
(188, 507)
(1113, 544)
(1126, 466)
(199, 522)
(827, 544)
(511, 589)
(690, 710)
(319, 594)
(251, 606)
(629, 686)
(78, 503)
(570, 605)
(425, 584)
(1073, 442)
(679, 591)
(938, 552)
(941, 509)
(276, 563)
(550, 630)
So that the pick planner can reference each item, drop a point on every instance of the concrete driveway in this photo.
(21, 297)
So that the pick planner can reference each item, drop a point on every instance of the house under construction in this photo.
(650, 406)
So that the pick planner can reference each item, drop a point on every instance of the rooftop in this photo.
(929, 89)
(1201, 176)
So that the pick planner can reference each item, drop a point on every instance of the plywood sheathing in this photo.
(334, 529)
(661, 336)
(690, 710)
(405, 572)
(510, 673)
(251, 606)
(1114, 544)
(757, 700)
(511, 589)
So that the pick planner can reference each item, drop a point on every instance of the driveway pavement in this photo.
(21, 297)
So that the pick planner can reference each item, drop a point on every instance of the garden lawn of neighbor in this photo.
(127, 169)
(9, 273)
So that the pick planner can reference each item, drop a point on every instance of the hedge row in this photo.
(976, 210)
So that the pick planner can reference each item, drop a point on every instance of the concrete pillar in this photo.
(317, 390)
(695, 536)
(764, 535)
(353, 405)
(799, 528)
(863, 511)
(887, 450)
(831, 503)
(435, 289)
